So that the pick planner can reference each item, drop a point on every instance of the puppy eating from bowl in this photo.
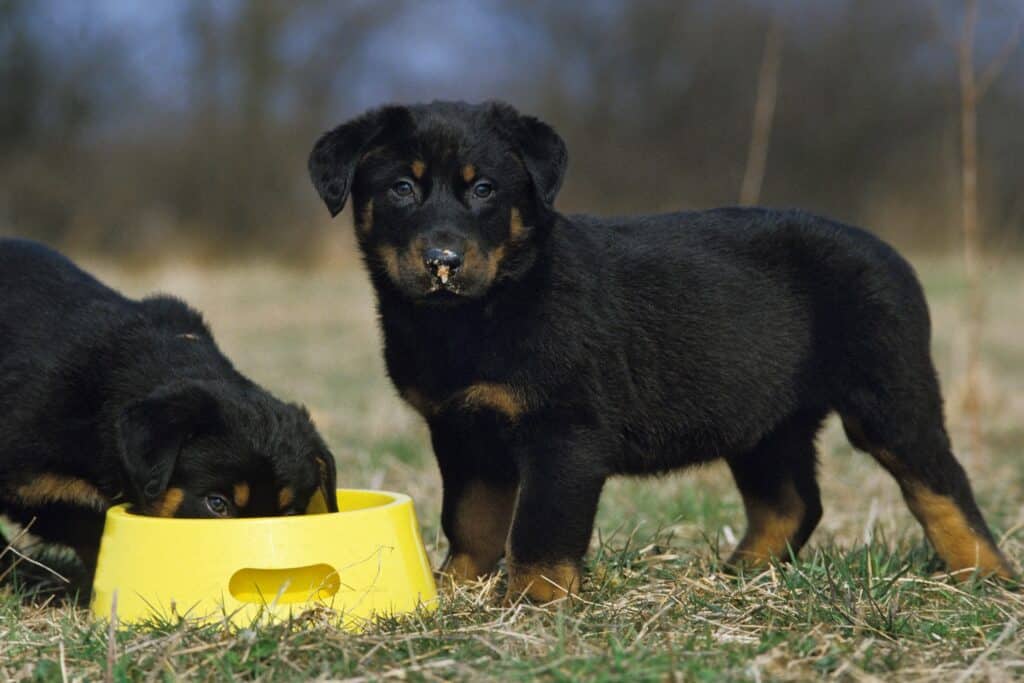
(107, 400)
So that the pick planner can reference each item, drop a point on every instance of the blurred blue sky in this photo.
(165, 106)
(465, 49)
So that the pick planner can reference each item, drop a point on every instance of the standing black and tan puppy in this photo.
(548, 352)
(106, 400)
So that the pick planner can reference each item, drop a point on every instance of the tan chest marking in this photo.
(501, 398)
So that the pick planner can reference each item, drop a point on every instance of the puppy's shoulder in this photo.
(169, 312)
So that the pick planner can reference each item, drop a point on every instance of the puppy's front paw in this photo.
(543, 583)
(462, 567)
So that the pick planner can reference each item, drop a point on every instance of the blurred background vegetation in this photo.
(163, 128)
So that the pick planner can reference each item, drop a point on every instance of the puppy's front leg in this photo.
(479, 493)
(561, 478)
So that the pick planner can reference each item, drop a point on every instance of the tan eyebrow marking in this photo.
(242, 494)
(468, 172)
(285, 497)
(418, 168)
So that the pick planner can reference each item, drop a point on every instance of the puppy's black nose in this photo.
(442, 262)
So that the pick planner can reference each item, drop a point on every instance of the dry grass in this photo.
(864, 602)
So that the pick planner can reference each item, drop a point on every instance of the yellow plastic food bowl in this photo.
(368, 559)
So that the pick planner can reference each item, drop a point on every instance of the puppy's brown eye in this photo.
(218, 505)
(402, 188)
(483, 190)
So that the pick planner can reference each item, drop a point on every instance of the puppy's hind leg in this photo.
(907, 438)
(780, 494)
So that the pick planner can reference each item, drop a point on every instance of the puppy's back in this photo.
(39, 285)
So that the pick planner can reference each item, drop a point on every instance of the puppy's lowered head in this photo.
(450, 199)
(220, 448)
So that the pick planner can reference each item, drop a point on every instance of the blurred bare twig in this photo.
(764, 111)
(972, 240)
(972, 88)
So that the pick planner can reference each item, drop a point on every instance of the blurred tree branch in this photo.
(764, 111)
(972, 89)
(186, 128)
(998, 63)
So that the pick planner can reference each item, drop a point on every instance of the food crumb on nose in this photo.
(442, 273)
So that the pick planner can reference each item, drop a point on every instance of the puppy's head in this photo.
(449, 199)
(218, 449)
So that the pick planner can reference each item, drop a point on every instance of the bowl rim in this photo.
(121, 514)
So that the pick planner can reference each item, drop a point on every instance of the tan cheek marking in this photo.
(468, 172)
(499, 397)
(389, 259)
(52, 488)
(516, 229)
(418, 169)
(413, 259)
(476, 262)
(770, 529)
(959, 546)
(543, 582)
(285, 497)
(365, 222)
(494, 262)
(241, 494)
(168, 504)
(491, 263)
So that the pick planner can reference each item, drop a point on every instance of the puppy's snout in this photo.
(442, 262)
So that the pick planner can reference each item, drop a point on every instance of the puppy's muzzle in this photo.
(442, 263)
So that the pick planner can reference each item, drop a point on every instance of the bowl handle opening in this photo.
(315, 582)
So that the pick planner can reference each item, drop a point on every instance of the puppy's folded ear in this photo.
(328, 479)
(335, 156)
(152, 431)
(542, 149)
